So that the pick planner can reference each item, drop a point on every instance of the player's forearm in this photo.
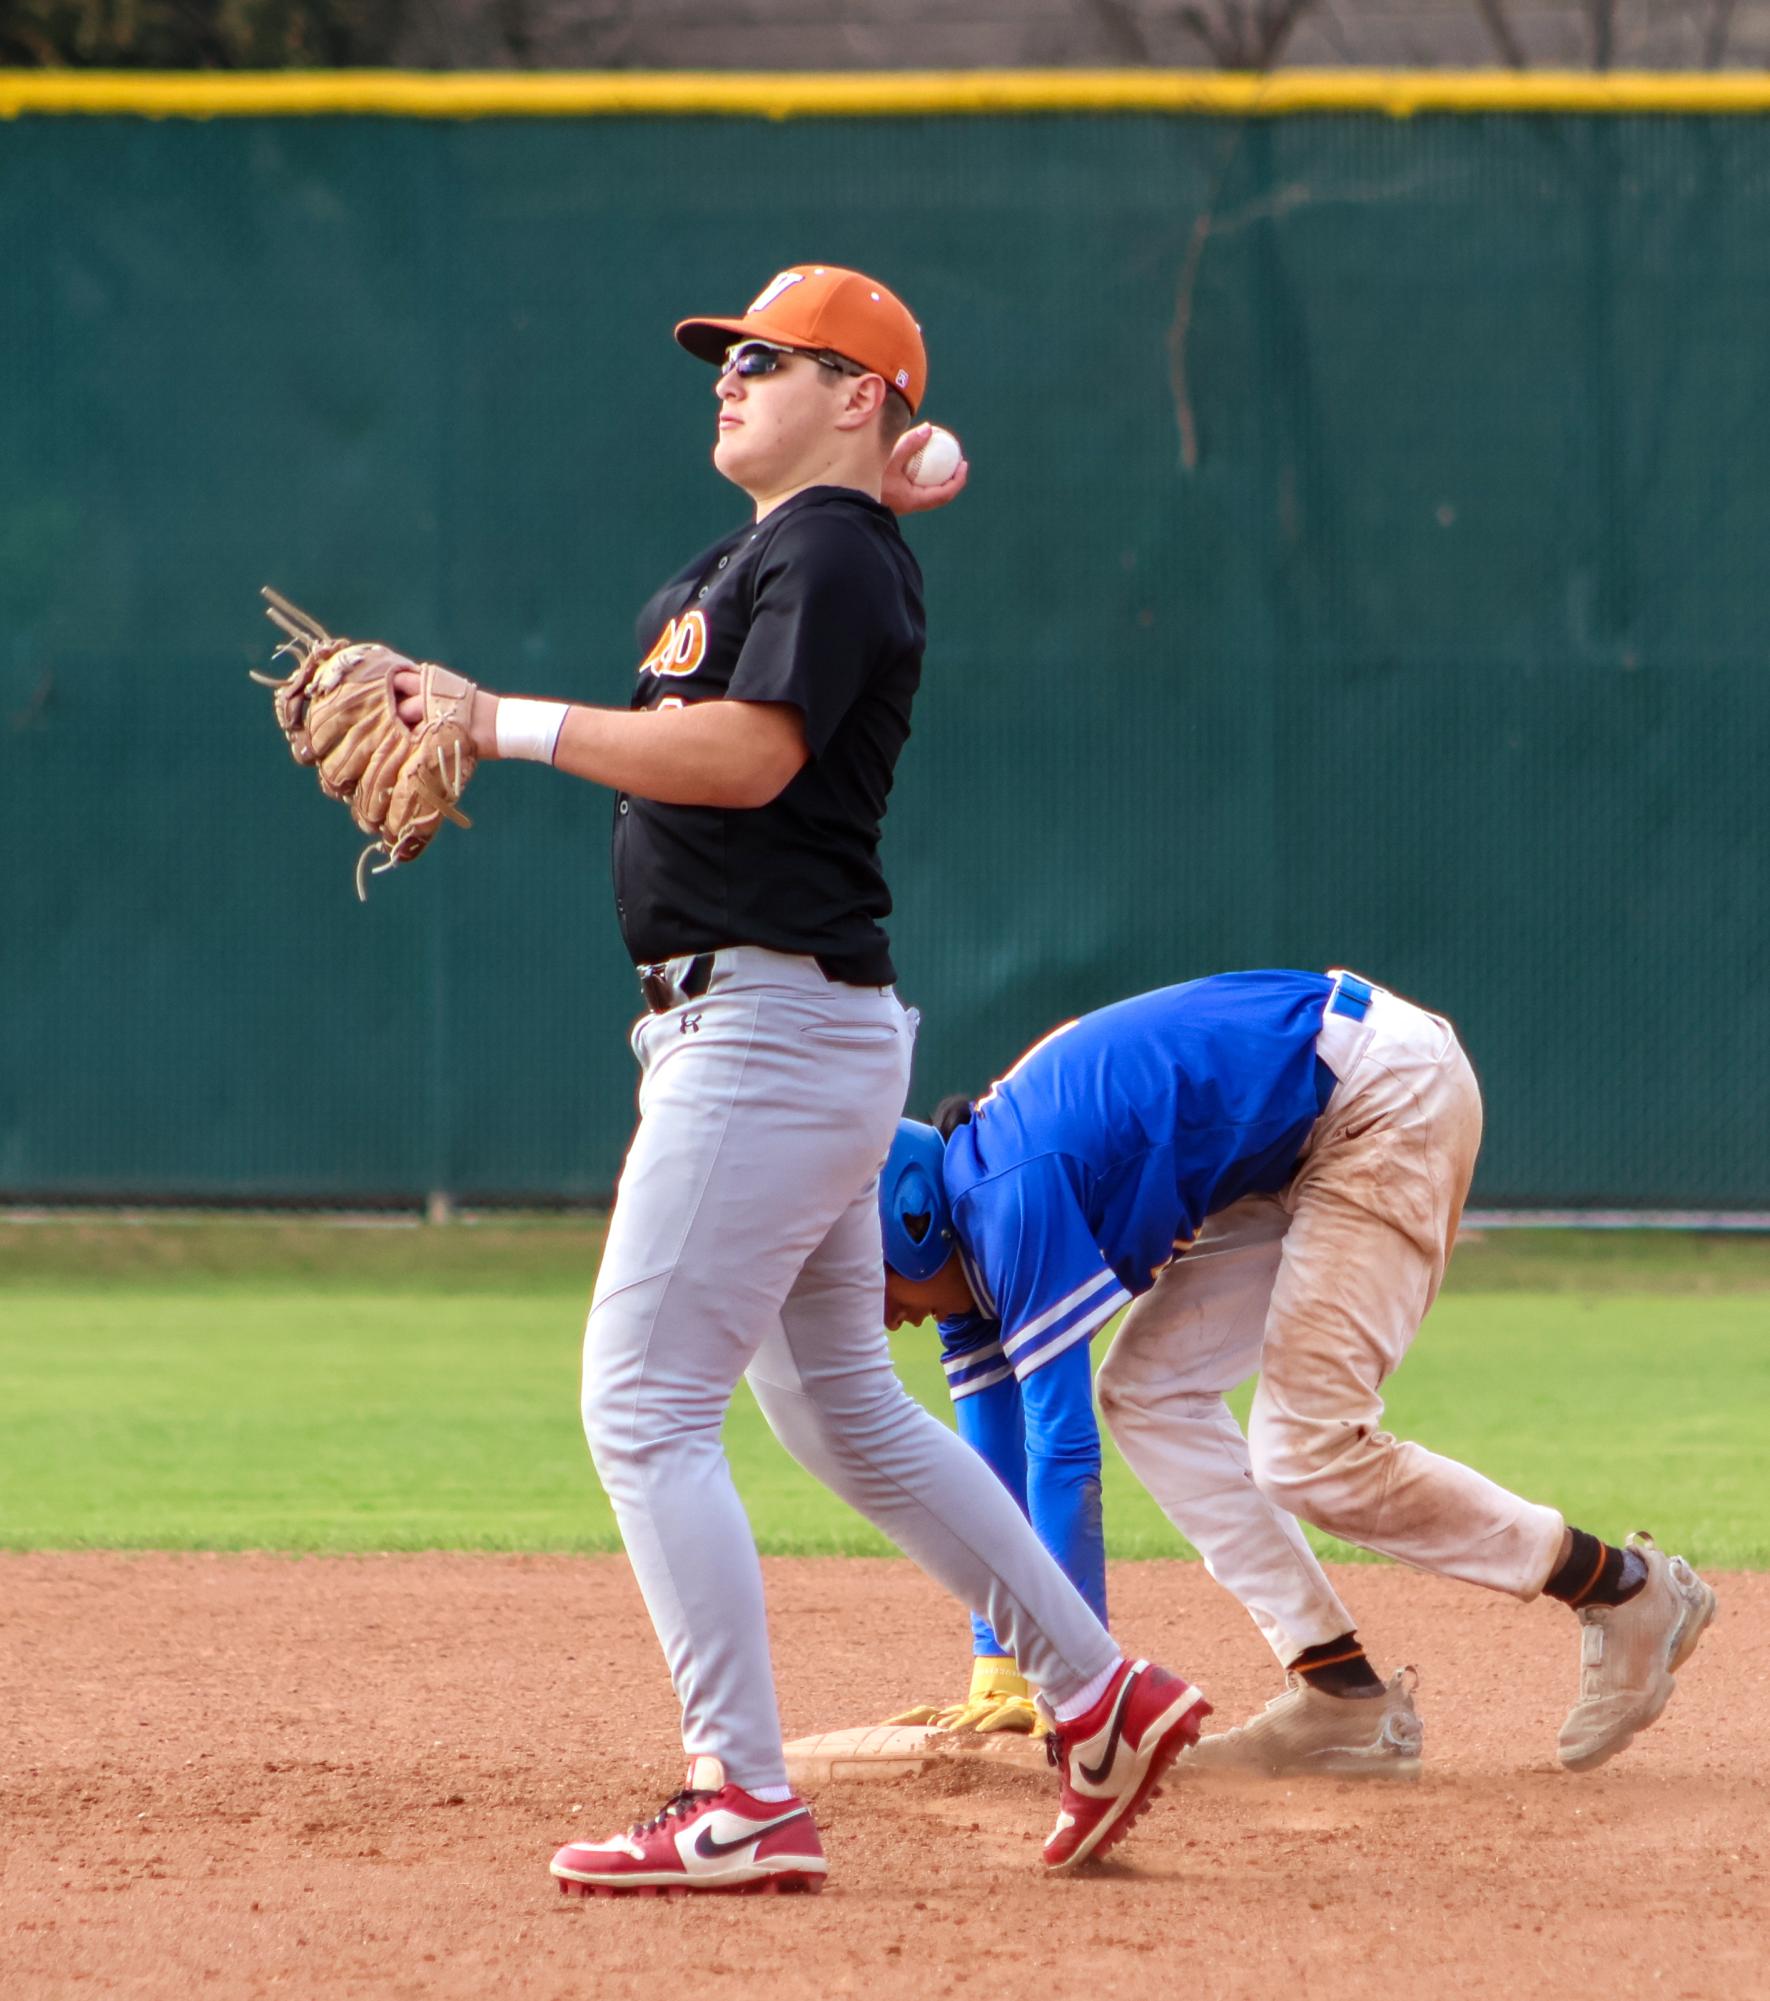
(989, 1421)
(727, 754)
(1064, 1501)
(1063, 1471)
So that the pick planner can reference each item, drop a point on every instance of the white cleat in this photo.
(1304, 1731)
(1628, 1654)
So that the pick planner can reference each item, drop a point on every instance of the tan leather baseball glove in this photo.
(337, 709)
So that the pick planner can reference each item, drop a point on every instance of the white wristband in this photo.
(529, 729)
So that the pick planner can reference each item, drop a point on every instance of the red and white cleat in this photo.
(711, 1836)
(1111, 1759)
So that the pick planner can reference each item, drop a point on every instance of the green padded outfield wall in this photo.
(1382, 583)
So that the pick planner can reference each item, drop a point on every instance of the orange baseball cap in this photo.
(824, 306)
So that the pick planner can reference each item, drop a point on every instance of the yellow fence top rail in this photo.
(862, 94)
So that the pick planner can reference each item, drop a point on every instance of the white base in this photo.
(896, 1751)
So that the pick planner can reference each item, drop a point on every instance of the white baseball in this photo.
(936, 462)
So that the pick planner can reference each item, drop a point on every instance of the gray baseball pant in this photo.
(745, 1242)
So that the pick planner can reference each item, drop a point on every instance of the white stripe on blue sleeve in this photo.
(1061, 1314)
(976, 1369)
(999, 1374)
(1054, 1340)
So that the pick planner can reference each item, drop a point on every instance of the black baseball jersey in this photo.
(818, 605)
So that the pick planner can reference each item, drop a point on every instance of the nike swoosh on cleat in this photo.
(706, 1846)
(1094, 1774)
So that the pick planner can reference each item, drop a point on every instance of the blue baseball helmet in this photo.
(913, 1209)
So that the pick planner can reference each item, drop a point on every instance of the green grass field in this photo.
(307, 1386)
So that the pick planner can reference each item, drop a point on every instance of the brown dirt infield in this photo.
(254, 1775)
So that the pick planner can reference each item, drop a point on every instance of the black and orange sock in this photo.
(1338, 1667)
(1597, 1573)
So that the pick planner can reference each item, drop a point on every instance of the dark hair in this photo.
(895, 416)
(952, 1113)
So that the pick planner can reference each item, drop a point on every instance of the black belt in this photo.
(661, 994)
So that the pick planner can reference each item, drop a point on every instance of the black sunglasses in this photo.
(760, 357)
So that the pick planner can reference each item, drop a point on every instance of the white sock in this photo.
(1088, 1694)
(770, 1795)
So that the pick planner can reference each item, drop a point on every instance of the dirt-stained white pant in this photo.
(1322, 1289)
(745, 1241)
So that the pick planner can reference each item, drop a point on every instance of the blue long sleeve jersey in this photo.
(1083, 1173)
